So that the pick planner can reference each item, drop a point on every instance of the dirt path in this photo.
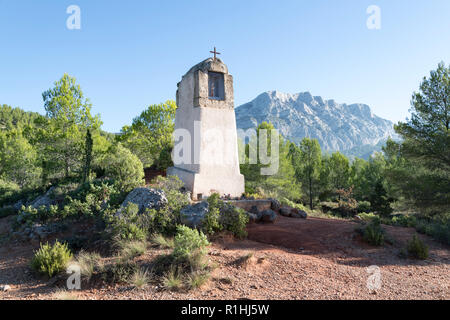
(291, 259)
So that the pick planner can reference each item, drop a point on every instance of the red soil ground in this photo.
(290, 259)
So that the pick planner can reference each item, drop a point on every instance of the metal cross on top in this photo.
(215, 52)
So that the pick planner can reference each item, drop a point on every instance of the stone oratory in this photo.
(206, 152)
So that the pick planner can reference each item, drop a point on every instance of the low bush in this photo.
(120, 272)
(372, 233)
(188, 242)
(417, 249)
(292, 204)
(225, 216)
(363, 206)
(29, 215)
(211, 222)
(127, 226)
(51, 260)
(368, 216)
(234, 220)
(166, 219)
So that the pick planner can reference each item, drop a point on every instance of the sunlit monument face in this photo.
(205, 152)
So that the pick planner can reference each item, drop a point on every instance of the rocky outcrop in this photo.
(145, 198)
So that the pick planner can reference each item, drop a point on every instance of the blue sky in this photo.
(129, 54)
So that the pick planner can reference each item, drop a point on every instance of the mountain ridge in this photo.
(338, 126)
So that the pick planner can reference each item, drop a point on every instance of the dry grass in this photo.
(197, 279)
(140, 278)
(172, 280)
(162, 242)
(62, 294)
(88, 262)
(132, 249)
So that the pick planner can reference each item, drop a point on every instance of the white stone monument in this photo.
(205, 152)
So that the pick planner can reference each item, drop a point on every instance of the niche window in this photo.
(215, 86)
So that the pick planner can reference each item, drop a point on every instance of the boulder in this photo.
(146, 198)
(268, 216)
(285, 211)
(300, 214)
(275, 205)
(193, 215)
(254, 210)
(252, 217)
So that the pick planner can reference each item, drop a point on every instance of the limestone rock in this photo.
(145, 198)
(193, 215)
(268, 216)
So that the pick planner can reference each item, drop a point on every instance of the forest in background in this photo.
(407, 184)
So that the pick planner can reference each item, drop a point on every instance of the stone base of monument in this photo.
(203, 185)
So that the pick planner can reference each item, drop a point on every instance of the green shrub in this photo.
(228, 217)
(373, 233)
(438, 228)
(364, 206)
(121, 271)
(127, 226)
(234, 220)
(8, 190)
(368, 216)
(162, 221)
(165, 220)
(404, 221)
(124, 167)
(211, 221)
(189, 242)
(292, 204)
(417, 249)
(51, 260)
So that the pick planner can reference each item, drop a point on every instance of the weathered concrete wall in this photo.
(248, 204)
